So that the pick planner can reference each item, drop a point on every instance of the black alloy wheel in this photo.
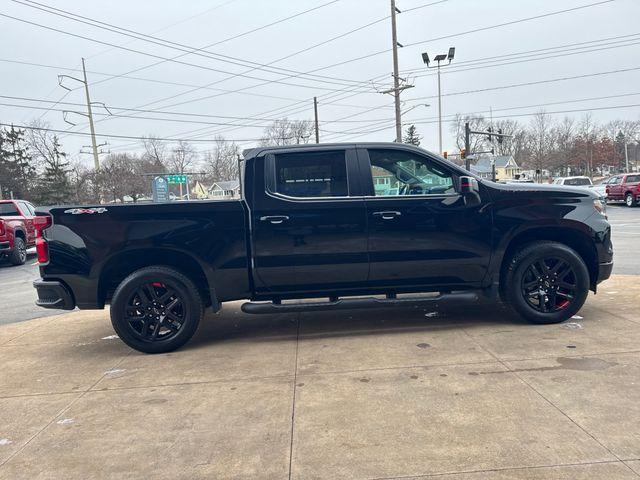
(549, 285)
(156, 311)
(545, 282)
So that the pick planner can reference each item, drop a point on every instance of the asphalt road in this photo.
(17, 296)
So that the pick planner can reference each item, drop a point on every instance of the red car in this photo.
(626, 187)
(17, 231)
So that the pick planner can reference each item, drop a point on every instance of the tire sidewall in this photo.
(16, 258)
(521, 262)
(184, 288)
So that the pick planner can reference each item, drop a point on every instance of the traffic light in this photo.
(490, 131)
(500, 138)
(445, 154)
(463, 153)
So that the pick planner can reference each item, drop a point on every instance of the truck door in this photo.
(422, 232)
(308, 222)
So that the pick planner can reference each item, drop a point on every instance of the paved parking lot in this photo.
(469, 394)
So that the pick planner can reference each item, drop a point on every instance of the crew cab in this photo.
(17, 231)
(358, 225)
(625, 187)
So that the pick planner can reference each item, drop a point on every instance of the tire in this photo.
(551, 297)
(18, 255)
(629, 200)
(156, 310)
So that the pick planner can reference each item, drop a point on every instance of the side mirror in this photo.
(468, 185)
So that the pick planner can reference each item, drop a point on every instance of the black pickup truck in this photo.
(353, 225)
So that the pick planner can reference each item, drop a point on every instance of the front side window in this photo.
(615, 180)
(396, 173)
(311, 174)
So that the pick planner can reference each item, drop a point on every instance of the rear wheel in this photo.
(630, 200)
(546, 282)
(19, 254)
(156, 310)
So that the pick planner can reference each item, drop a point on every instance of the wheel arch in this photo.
(574, 238)
(121, 265)
(19, 233)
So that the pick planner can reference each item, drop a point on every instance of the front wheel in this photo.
(546, 282)
(630, 200)
(156, 310)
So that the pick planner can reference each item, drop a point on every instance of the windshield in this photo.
(577, 182)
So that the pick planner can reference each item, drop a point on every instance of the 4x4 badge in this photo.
(81, 211)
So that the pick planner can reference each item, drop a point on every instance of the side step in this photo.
(358, 303)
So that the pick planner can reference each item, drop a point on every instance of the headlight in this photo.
(600, 205)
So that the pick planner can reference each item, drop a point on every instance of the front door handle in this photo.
(274, 219)
(387, 214)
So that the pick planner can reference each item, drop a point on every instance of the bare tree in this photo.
(564, 140)
(222, 161)
(183, 157)
(155, 154)
(120, 176)
(476, 122)
(542, 140)
(588, 131)
(288, 132)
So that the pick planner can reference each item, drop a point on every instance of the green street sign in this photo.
(176, 179)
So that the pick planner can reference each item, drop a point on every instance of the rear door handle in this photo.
(387, 214)
(274, 219)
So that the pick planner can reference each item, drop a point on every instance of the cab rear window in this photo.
(308, 175)
(8, 210)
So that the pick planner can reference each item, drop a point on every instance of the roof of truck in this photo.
(253, 152)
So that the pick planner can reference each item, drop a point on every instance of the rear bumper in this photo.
(5, 247)
(53, 294)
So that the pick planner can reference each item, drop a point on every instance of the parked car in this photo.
(624, 187)
(582, 182)
(311, 224)
(17, 230)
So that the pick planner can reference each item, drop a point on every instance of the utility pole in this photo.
(626, 156)
(89, 114)
(396, 73)
(315, 111)
(94, 145)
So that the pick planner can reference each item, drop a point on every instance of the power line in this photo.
(537, 82)
(128, 137)
(195, 65)
(187, 49)
(467, 32)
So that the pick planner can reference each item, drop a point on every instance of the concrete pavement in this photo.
(465, 394)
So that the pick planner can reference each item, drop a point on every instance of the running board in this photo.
(358, 303)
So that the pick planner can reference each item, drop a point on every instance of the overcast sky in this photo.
(198, 23)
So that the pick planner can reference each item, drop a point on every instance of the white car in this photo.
(584, 182)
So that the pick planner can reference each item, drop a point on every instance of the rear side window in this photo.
(311, 174)
(8, 210)
(633, 179)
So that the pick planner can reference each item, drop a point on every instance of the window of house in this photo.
(408, 174)
(311, 174)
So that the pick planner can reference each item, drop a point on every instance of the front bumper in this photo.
(5, 247)
(604, 271)
(53, 294)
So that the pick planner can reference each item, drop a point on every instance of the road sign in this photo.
(175, 179)
(160, 190)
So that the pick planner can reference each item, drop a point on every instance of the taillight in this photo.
(42, 247)
(2, 230)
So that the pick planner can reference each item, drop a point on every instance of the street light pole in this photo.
(439, 58)
(439, 113)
